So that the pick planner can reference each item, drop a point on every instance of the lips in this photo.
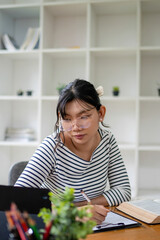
(79, 136)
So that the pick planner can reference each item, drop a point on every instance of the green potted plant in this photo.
(115, 90)
(65, 220)
(20, 92)
(60, 87)
(29, 92)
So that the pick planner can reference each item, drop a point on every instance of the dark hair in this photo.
(80, 90)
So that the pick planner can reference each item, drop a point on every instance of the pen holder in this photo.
(13, 234)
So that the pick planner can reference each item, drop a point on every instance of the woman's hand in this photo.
(99, 213)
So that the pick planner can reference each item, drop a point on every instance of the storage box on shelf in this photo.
(109, 43)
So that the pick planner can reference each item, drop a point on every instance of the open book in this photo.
(146, 210)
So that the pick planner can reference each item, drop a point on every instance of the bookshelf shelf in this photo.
(18, 144)
(18, 98)
(106, 42)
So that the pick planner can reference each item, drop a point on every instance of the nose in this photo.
(75, 124)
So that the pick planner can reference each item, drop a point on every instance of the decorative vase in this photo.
(20, 92)
(29, 92)
(115, 93)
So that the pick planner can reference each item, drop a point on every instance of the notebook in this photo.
(115, 221)
(26, 199)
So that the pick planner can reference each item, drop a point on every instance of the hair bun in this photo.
(100, 91)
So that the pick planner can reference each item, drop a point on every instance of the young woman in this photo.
(80, 154)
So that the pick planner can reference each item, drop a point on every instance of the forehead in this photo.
(77, 107)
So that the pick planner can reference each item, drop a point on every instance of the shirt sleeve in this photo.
(120, 190)
(40, 165)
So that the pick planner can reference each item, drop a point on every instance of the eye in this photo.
(85, 116)
(67, 119)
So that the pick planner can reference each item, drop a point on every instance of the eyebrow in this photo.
(81, 112)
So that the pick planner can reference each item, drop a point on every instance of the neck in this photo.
(89, 147)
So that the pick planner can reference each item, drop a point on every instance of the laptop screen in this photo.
(26, 199)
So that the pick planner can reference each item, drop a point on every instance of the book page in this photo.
(114, 220)
(150, 205)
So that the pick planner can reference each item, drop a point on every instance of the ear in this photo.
(102, 112)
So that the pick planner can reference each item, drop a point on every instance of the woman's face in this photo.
(81, 121)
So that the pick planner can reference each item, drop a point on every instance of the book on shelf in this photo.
(34, 40)
(146, 210)
(19, 134)
(31, 40)
(9, 42)
(27, 38)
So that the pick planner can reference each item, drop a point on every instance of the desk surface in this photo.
(144, 232)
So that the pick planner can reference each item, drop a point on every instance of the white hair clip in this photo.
(100, 91)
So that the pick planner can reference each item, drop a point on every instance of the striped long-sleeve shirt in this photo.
(56, 168)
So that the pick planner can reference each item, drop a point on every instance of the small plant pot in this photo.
(158, 91)
(20, 93)
(115, 93)
(60, 90)
(29, 92)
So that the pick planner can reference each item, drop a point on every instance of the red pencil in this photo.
(15, 218)
(47, 230)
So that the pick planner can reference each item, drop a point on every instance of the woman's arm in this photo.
(101, 200)
(39, 166)
(120, 190)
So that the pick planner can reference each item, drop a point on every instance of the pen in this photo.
(109, 224)
(85, 196)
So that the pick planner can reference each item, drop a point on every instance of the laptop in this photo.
(26, 199)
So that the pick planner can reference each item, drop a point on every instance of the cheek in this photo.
(94, 124)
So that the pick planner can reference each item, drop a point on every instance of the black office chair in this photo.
(15, 171)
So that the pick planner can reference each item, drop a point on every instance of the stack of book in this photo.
(19, 134)
(31, 41)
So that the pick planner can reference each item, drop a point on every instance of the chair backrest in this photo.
(15, 171)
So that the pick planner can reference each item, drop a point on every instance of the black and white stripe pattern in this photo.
(56, 169)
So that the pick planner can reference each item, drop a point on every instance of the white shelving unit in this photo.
(105, 42)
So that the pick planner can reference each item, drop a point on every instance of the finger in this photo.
(101, 210)
(98, 217)
(97, 221)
